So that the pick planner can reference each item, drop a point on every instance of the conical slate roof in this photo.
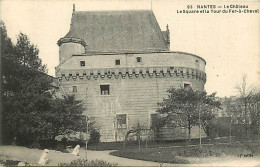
(113, 31)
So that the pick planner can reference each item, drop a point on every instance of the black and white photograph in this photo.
(130, 83)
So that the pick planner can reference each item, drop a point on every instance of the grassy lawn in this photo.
(155, 155)
(149, 144)
(184, 155)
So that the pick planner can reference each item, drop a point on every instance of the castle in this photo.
(120, 65)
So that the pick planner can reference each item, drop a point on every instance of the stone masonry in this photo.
(121, 87)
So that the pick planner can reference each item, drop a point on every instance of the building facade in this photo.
(120, 65)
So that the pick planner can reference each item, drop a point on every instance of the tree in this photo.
(245, 97)
(207, 107)
(66, 116)
(187, 107)
(31, 109)
(22, 83)
(136, 130)
(24, 103)
(254, 109)
(20, 62)
(28, 54)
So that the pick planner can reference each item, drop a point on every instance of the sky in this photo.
(230, 43)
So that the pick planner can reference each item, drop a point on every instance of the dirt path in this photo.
(33, 155)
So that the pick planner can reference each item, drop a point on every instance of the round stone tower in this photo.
(69, 47)
(125, 70)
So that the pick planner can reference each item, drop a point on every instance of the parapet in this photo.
(71, 40)
(132, 73)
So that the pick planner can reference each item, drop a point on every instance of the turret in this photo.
(69, 46)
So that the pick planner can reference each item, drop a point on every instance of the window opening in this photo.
(117, 62)
(187, 86)
(74, 89)
(104, 89)
(121, 121)
(139, 59)
(82, 63)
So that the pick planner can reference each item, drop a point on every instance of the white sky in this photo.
(228, 42)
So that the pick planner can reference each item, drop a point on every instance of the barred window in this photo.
(121, 121)
(104, 89)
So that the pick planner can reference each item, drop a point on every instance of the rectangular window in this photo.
(187, 86)
(104, 89)
(154, 118)
(118, 62)
(139, 59)
(74, 89)
(82, 63)
(121, 121)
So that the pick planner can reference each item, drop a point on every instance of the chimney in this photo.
(168, 36)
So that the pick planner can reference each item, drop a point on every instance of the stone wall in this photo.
(107, 61)
(135, 94)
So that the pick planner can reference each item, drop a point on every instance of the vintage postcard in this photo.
(130, 83)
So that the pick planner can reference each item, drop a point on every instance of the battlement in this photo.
(132, 73)
(71, 40)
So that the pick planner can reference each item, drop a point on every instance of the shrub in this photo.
(84, 162)
(64, 141)
(61, 147)
(24, 139)
(252, 146)
(10, 162)
(94, 137)
(35, 144)
(48, 144)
